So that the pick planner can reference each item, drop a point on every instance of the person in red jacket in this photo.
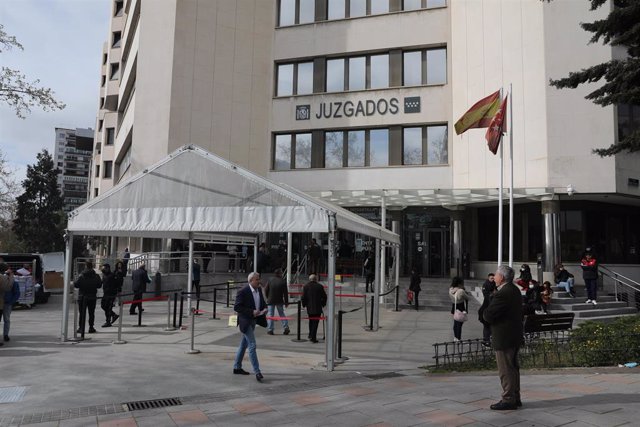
(589, 266)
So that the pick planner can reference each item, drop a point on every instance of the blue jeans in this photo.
(272, 308)
(6, 314)
(568, 285)
(248, 340)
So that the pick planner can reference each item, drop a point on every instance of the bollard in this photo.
(228, 290)
(397, 298)
(140, 315)
(181, 307)
(75, 319)
(372, 304)
(175, 308)
(120, 340)
(298, 338)
(339, 346)
(83, 316)
(193, 328)
(169, 327)
(215, 303)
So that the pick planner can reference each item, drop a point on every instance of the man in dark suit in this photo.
(140, 278)
(251, 308)
(488, 288)
(504, 314)
(313, 298)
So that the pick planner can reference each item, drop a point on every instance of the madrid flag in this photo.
(480, 115)
(497, 127)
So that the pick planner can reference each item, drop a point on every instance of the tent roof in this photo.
(194, 191)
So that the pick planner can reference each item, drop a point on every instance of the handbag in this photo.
(458, 315)
(409, 296)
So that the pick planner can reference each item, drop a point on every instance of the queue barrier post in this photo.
(299, 322)
(169, 327)
(192, 350)
(75, 319)
(175, 308)
(228, 290)
(83, 316)
(397, 298)
(372, 305)
(120, 340)
(181, 308)
(215, 303)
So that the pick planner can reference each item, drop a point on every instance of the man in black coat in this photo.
(314, 298)
(277, 296)
(140, 278)
(88, 284)
(488, 288)
(504, 314)
(110, 289)
(251, 308)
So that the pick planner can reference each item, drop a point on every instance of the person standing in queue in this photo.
(314, 298)
(110, 289)
(251, 308)
(504, 314)
(414, 286)
(88, 284)
(140, 278)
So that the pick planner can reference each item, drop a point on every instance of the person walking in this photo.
(7, 285)
(589, 266)
(488, 288)
(565, 280)
(277, 296)
(459, 302)
(414, 286)
(504, 314)
(110, 289)
(314, 298)
(195, 279)
(251, 308)
(314, 253)
(88, 284)
(369, 267)
(232, 251)
(140, 278)
(126, 257)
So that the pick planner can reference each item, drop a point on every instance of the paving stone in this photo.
(189, 418)
(251, 407)
(79, 422)
(155, 420)
(445, 418)
(118, 422)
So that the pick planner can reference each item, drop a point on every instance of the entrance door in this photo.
(437, 260)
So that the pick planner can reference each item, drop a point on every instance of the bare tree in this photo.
(19, 93)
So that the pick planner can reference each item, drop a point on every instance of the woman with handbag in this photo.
(459, 307)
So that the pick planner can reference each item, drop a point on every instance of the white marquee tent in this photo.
(194, 191)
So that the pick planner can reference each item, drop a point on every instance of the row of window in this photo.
(107, 169)
(379, 147)
(292, 12)
(374, 71)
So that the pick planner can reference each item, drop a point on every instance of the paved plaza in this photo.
(48, 383)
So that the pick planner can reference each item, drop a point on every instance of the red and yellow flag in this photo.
(480, 115)
(497, 127)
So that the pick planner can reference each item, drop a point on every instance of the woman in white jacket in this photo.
(459, 301)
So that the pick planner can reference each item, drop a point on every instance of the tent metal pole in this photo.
(383, 258)
(376, 290)
(395, 227)
(289, 257)
(331, 298)
(255, 254)
(190, 272)
(67, 282)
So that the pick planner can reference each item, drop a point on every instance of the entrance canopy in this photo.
(194, 191)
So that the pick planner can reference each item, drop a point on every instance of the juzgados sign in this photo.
(363, 108)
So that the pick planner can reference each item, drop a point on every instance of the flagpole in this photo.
(511, 172)
(500, 213)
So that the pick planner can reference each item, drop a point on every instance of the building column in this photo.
(551, 220)
(457, 216)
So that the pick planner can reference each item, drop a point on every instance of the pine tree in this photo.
(39, 217)
(622, 76)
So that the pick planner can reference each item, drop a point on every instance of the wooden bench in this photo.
(548, 322)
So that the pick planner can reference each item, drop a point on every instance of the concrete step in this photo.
(614, 312)
(603, 319)
(579, 300)
(584, 306)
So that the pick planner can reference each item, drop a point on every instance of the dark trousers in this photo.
(592, 288)
(509, 371)
(313, 327)
(370, 278)
(196, 284)
(486, 332)
(232, 262)
(136, 296)
(87, 303)
(457, 329)
(415, 299)
(107, 307)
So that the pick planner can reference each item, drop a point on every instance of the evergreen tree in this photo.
(39, 217)
(622, 76)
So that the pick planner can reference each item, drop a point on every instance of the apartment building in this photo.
(354, 101)
(72, 157)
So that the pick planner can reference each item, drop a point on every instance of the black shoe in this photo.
(314, 341)
(286, 331)
(6, 338)
(114, 318)
(259, 377)
(92, 330)
(106, 325)
(269, 332)
(240, 371)
(504, 406)
(79, 331)
(518, 403)
(133, 313)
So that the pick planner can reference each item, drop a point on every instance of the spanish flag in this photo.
(497, 127)
(480, 115)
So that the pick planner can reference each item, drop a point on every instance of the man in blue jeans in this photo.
(251, 308)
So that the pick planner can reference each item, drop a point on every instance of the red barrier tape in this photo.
(299, 285)
(160, 298)
(343, 275)
(338, 295)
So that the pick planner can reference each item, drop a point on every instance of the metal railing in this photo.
(624, 289)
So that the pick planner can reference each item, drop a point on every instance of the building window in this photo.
(104, 59)
(295, 79)
(97, 171)
(95, 192)
(336, 9)
(303, 151)
(114, 72)
(296, 12)
(437, 145)
(436, 66)
(425, 145)
(116, 39)
(355, 148)
(379, 66)
(102, 102)
(412, 68)
(379, 6)
(357, 8)
(412, 146)
(379, 147)
(110, 136)
(282, 152)
(100, 124)
(335, 75)
(424, 67)
(118, 7)
(628, 120)
(422, 4)
(334, 149)
(368, 147)
(357, 73)
(108, 169)
(103, 80)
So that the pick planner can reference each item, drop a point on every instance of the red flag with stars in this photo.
(497, 127)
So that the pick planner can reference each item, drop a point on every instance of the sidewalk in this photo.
(47, 383)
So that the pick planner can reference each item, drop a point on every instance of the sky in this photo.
(62, 42)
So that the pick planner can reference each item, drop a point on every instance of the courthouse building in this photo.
(72, 156)
(354, 101)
